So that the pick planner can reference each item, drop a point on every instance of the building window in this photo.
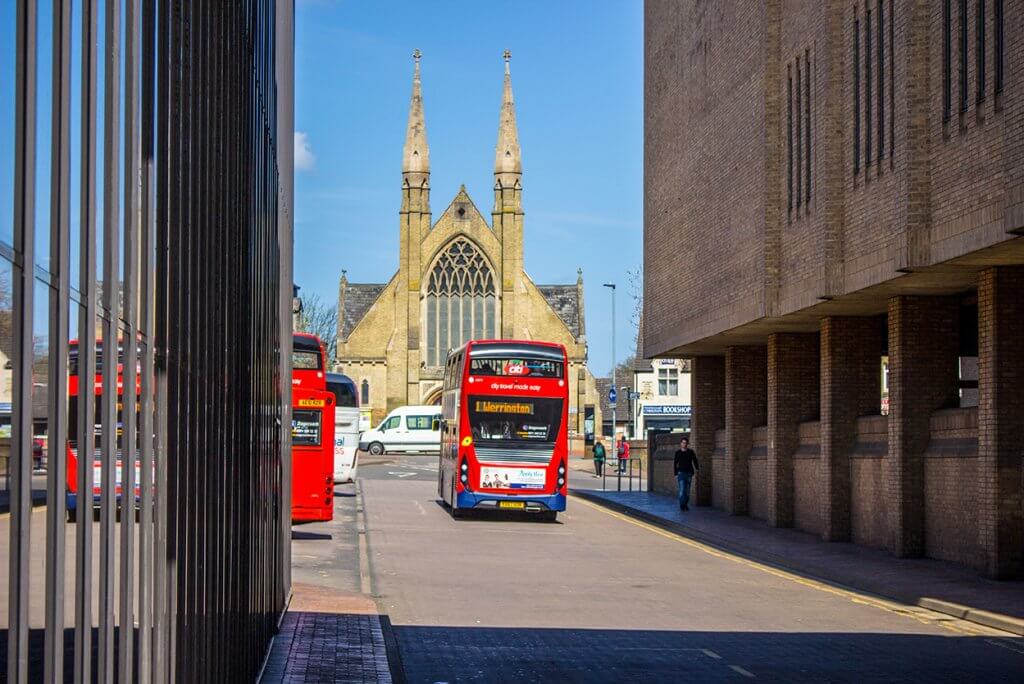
(789, 136)
(856, 95)
(364, 393)
(668, 382)
(998, 58)
(799, 137)
(867, 87)
(963, 55)
(892, 89)
(979, 49)
(947, 60)
(880, 11)
(807, 123)
(460, 301)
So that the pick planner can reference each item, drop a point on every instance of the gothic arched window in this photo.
(364, 393)
(460, 301)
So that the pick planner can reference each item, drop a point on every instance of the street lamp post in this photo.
(612, 286)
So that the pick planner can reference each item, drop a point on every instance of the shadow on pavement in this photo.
(484, 654)
(299, 534)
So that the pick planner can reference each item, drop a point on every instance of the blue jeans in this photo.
(684, 487)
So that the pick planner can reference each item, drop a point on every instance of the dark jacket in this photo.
(685, 462)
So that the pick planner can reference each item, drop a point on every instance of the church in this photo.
(459, 278)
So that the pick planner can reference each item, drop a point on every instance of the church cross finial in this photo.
(416, 54)
(508, 57)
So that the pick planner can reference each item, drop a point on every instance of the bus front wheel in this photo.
(376, 449)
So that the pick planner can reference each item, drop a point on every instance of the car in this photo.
(408, 428)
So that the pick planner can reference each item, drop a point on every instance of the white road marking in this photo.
(420, 507)
(400, 473)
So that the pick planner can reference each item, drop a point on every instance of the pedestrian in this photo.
(598, 458)
(685, 465)
(623, 453)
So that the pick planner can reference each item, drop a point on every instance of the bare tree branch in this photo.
(321, 319)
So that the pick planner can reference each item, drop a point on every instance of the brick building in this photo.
(832, 189)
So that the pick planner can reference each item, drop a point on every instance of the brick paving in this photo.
(931, 584)
(327, 636)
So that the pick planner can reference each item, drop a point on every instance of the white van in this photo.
(409, 428)
(346, 426)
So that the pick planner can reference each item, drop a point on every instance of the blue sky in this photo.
(577, 72)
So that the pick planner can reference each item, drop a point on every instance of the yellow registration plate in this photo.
(511, 504)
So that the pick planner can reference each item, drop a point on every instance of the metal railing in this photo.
(628, 467)
(165, 161)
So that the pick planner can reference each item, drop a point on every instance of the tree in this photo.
(321, 319)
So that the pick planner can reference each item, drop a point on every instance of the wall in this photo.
(807, 481)
(868, 513)
(757, 474)
(951, 489)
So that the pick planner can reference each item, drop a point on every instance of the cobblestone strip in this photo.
(328, 647)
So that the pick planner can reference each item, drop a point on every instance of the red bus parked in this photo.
(504, 440)
(308, 368)
(312, 455)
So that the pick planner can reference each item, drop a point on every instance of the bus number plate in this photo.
(311, 403)
(511, 504)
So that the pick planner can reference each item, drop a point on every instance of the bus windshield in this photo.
(499, 420)
(344, 393)
(534, 368)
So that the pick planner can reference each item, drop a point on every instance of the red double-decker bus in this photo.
(78, 453)
(312, 432)
(312, 455)
(504, 440)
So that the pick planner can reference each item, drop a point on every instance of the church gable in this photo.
(564, 301)
(461, 214)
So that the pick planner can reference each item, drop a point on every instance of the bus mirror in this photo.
(435, 424)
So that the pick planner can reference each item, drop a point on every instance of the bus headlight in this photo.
(561, 482)
(561, 470)
(464, 478)
(465, 467)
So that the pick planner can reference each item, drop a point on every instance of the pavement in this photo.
(935, 585)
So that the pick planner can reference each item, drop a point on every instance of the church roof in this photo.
(359, 297)
(564, 300)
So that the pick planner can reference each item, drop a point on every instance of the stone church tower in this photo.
(458, 278)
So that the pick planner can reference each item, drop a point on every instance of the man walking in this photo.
(598, 458)
(685, 465)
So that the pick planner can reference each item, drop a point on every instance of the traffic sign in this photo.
(634, 395)
(612, 395)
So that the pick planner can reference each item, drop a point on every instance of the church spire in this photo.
(507, 157)
(416, 154)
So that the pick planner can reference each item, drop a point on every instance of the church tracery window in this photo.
(460, 301)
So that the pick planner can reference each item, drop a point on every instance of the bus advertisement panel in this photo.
(312, 455)
(504, 441)
(346, 426)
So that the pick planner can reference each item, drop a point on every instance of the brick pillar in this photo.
(851, 386)
(746, 407)
(923, 350)
(707, 389)
(1000, 422)
(793, 388)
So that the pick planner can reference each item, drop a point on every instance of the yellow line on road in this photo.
(922, 615)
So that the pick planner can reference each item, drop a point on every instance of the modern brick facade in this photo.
(833, 190)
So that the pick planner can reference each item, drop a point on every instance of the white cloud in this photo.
(304, 158)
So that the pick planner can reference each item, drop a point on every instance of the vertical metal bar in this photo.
(60, 294)
(86, 351)
(163, 562)
(23, 301)
(131, 339)
(147, 589)
(108, 407)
